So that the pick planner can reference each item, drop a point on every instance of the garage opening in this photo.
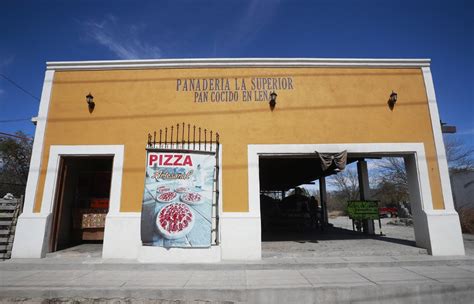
(303, 206)
(288, 211)
(81, 202)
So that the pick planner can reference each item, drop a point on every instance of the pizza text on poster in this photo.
(169, 160)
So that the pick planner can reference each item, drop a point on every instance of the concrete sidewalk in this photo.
(420, 279)
(355, 269)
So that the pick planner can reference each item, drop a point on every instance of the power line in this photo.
(18, 86)
(13, 135)
(14, 120)
(12, 184)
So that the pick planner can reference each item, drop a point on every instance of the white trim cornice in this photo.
(237, 63)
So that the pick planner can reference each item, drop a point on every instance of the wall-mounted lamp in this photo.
(90, 102)
(272, 103)
(392, 100)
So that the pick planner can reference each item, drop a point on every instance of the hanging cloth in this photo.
(333, 161)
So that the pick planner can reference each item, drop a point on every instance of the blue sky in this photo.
(33, 32)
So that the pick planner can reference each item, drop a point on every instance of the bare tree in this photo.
(15, 153)
(459, 156)
(347, 183)
(392, 169)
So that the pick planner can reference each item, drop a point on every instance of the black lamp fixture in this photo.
(392, 100)
(90, 102)
(272, 103)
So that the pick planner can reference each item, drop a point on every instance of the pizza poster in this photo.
(177, 199)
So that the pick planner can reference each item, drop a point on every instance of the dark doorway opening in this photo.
(81, 202)
(293, 223)
(288, 211)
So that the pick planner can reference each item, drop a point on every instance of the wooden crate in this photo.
(9, 212)
(93, 224)
(93, 220)
(93, 234)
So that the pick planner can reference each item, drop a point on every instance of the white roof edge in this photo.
(236, 62)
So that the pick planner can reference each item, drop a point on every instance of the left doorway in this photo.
(81, 201)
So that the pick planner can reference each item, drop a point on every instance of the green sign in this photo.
(363, 210)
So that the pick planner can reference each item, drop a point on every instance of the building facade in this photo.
(322, 105)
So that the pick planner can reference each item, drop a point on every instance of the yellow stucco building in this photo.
(322, 105)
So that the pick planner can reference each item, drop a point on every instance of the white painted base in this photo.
(241, 237)
(31, 236)
(444, 233)
(438, 231)
(122, 236)
(122, 241)
(422, 234)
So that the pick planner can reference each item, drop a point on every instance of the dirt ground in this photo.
(341, 241)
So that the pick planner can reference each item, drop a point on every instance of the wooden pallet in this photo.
(9, 212)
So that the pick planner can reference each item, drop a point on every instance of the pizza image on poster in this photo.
(177, 199)
(175, 221)
(166, 197)
(191, 198)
